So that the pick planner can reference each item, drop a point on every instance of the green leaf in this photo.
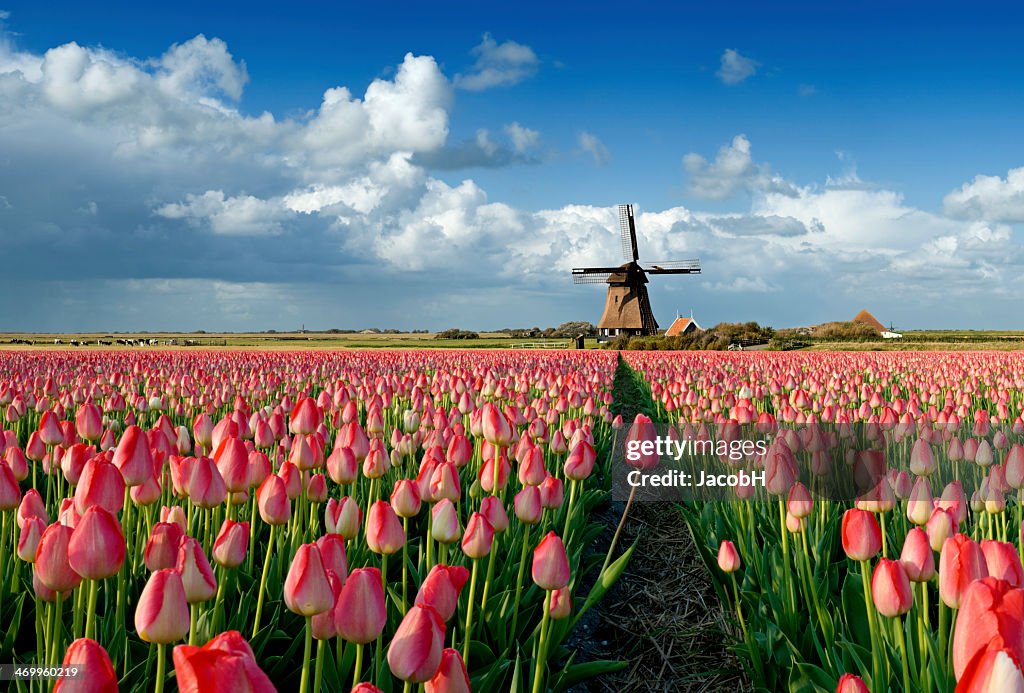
(577, 673)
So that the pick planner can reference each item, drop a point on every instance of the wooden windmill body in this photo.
(627, 308)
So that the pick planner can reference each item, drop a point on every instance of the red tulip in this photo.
(133, 458)
(486, 475)
(28, 540)
(32, 506)
(52, 564)
(97, 548)
(561, 604)
(305, 417)
(640, 447)
(415, 651)
(231, 544)
(479, 536)
(49, 429)
(232, 460)
(196, 574)
(272, 498)
(862, 537)
(890, 588)
(441, 587)
(405, 499)
(162, 615)
(1002, 561)
(89, 422)
(961, 562)
(451, 675)
(991, 614)
(226, 663)
(993, 670)
(495, 425)
(316, 490)
(917, 557)
(492, 508)
(10, 491)
(580, 463)
(97, 672)
(365, 687)
(851, 683)
(306, 589)
(342, 466)
(384, 532)
(361, 612)
(343, 517)
(728, 557)
(332, 553)
(162, 547)
(325, 625)
(552, 493)
(445, 523)
(527, 505)
(550, 569)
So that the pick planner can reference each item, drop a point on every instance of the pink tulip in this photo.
(161, 615)
(451, 675)
(88, 656)
(415, 651)
(306, 589)
(441, 587)
(161, 550)
(96, 549)
(360, 612)
(384, 532)
(479, 536)
(196, 574)
(231, 544)
(550, 564)
(52, 565)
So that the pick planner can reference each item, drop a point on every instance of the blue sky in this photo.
(817, 159)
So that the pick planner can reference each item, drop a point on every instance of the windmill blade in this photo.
(627, 228)
(593, 275)
(592, 278)
(674, 267)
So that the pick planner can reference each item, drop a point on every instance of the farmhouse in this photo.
(682, 325)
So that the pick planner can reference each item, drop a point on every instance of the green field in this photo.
(286, 340)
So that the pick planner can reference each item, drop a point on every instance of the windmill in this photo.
(627, 309)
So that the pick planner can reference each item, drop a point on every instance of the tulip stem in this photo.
(307, 653)
(193, 618)
(618, 531)
(538, 669)
(469, 612)
(865, 572)
(405, 566)
(359, 664)
(219, 601)
(384, 585)
(489, 577)
(568, 509)
(161, 667)
(318, 677)
(263, 582)
(519, 581)
(90, 616)
(901, 641)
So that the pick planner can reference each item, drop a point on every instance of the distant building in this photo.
(889, 334)
(682, 326)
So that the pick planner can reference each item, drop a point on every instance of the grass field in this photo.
(917, 340)
(284, 340)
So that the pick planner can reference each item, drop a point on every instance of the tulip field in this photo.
(914, 585)
(423, 519)
(310, 521)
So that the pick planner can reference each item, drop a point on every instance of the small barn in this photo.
(682, 325)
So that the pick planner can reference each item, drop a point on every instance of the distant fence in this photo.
(540, 345)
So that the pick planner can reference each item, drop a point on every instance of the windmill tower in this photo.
(627, 308)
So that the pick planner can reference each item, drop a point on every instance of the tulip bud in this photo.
(226, 663)
(332, 554)
(306, 589)
(87, 655)
(97, 548)
(451, 676)
(343, 517)
(728, 557)
(527, 505)
(231, 544)
(862, 537)
(28, 540)
(550, 569)
(361, 611)
(917, 557)
(162, 547)
(440, 589)
(405, 499)
(162, 614)
(415, 651)
(52, 564)
(272, 498)
(989, 617)
(851, 683)
(479, 536)
(1003, 562)
(10, 491)
(890, 588)
(561, 604)
(445, 527)
(960, 563)
(384, 532)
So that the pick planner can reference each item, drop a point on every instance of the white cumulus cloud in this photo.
(989, 197)
(498, 65)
